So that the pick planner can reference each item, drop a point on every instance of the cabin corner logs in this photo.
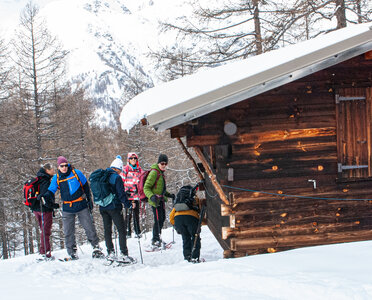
(310, 138)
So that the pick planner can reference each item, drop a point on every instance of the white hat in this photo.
(117, 163)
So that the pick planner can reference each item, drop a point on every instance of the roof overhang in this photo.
(242, 90)
(261, 82)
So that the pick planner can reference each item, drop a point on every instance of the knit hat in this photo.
(117, 163)
(61, 160)
(163, 158)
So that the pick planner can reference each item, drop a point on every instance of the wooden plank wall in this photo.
(286, 138)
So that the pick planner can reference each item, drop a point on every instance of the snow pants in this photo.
(159, 218)
(136, 221)
(86, 220)
(116, 216)
(187, 225)
(46, 230)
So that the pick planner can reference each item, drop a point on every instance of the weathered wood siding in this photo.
(287, 138)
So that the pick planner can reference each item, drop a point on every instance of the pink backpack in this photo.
(141, 183)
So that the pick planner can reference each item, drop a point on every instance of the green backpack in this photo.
(101, 188)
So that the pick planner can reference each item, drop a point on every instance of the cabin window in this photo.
(353, 116)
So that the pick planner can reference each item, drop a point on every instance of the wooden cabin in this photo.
(285, 145)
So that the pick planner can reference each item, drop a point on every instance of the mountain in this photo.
(108, 41)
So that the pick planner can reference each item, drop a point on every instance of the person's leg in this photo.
(155, 228)
(118, 218)
(86, 221)
(69, 231)
(128, 219)
(136, 220)
(107, 228)
(161, 212)
(192, 226)
(39, 221)
(180, 223)
(48, 222)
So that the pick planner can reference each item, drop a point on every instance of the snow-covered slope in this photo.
(326, 272)
(108, 41)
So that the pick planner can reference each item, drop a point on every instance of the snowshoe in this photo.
(97, 253)
(122, 260)
(197, 260)
(69, 258)
(156, 248)
(43, 257)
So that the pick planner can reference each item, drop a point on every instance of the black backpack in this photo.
(185, 199)
(100, 186)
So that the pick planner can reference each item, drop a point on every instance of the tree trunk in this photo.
(30, 234)
(3, 234)
(257, 28)
(340, 14)
(25, 234)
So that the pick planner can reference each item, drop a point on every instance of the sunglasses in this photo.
(63, 166)
(133, 158)
(163, 163)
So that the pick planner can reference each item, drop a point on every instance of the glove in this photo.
(154, 199)
(172, 196)
(90, 205)
(55, 205)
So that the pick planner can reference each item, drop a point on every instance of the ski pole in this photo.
(42, 201)
(198, 229)
(138, 237)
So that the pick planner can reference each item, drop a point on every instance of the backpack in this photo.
(185, 199)
(100, 186)
(141, 183)
(31, 190)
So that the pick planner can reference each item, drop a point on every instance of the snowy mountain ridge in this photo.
(108, 41)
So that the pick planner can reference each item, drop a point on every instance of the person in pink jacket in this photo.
(130, 176)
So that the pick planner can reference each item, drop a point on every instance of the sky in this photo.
(11, 9)
(341, 271)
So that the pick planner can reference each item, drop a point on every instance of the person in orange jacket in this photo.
(185, 217)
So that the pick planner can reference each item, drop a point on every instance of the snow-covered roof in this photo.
(192, 96)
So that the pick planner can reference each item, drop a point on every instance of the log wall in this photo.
(285, 139)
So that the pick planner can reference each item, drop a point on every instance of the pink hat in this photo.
(61, 160)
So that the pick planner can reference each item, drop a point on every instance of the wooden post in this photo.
(213, 178)
(201, 177)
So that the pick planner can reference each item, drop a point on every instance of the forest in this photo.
(43, 114)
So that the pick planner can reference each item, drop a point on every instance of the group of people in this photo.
(123, 180)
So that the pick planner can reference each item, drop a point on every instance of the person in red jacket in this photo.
(130, 176)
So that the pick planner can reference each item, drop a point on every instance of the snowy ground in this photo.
(327, 272)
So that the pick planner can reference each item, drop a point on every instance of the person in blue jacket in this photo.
(77, 201)
(114, 213)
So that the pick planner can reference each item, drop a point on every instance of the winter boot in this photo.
(97, 252)
(111, 255)
(123, 258)
(74, 256)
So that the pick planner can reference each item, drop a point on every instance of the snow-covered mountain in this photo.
(108, 42)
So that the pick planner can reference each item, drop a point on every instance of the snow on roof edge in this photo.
(180, 92)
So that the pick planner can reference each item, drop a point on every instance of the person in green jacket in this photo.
(156, 191)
